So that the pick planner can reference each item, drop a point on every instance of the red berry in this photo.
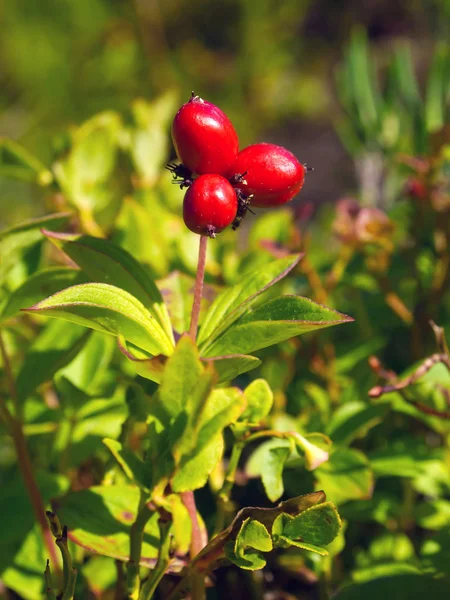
(204, 137)
(271, 173)
(210, 205)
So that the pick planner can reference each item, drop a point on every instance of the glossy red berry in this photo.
(210, 205)
(272, 174)
(204, 138)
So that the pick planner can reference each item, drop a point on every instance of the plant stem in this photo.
(197, 544)
(197, 580)
(15, 429)
(224, 494)
(136, 538)
(50, 594)
(158, 572)
(198, 291)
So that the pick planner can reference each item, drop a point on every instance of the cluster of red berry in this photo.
(223, 182)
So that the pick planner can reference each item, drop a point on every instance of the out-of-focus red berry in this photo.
(415, 188)
(210, 205)
(270, 173)
(204, 138)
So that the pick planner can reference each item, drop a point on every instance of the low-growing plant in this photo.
(165, 430)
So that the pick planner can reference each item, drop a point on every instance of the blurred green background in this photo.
(270, 65)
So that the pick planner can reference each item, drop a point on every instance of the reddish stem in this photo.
(198, 291)
(23, 458)
(197, 542)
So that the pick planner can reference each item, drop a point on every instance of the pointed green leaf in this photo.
(234, 301)
(181, 375)
(108, 309)
(273, 322)
(57, 344)
(39, 285)
(229, 367)
(105, 262)
(149, 368)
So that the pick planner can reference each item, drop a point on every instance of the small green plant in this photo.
(166, 428)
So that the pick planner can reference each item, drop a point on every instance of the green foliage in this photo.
(118, 415)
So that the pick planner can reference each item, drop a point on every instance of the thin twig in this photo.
(136, 539)
(198, 291)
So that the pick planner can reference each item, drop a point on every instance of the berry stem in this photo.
(198, 291)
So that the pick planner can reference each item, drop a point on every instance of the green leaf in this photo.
(268, 462)
(41, 284)
(133, 467)
(346, 476)
(207, 418)
(132, 227)
(353, 420)
(222, 407)
(90, 424)
(108, 309)
(22, 551)
(99, 520)
(318, 525)
(105, 262)
(277, 320)
(181, 375)
(17, 163)
(24, 573)
(16, 512)
(149, 140)
(433, 514)
(100, 573)
(85, 171)
(234, 301)
(194, 471)
(229, 367)
(404, 586)
(89, 371)
(252, 539)
(435, 105)
(259, 398)
(215, 549)
(57, 344)
(149, 368)
(15, 240)
(435, 552)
